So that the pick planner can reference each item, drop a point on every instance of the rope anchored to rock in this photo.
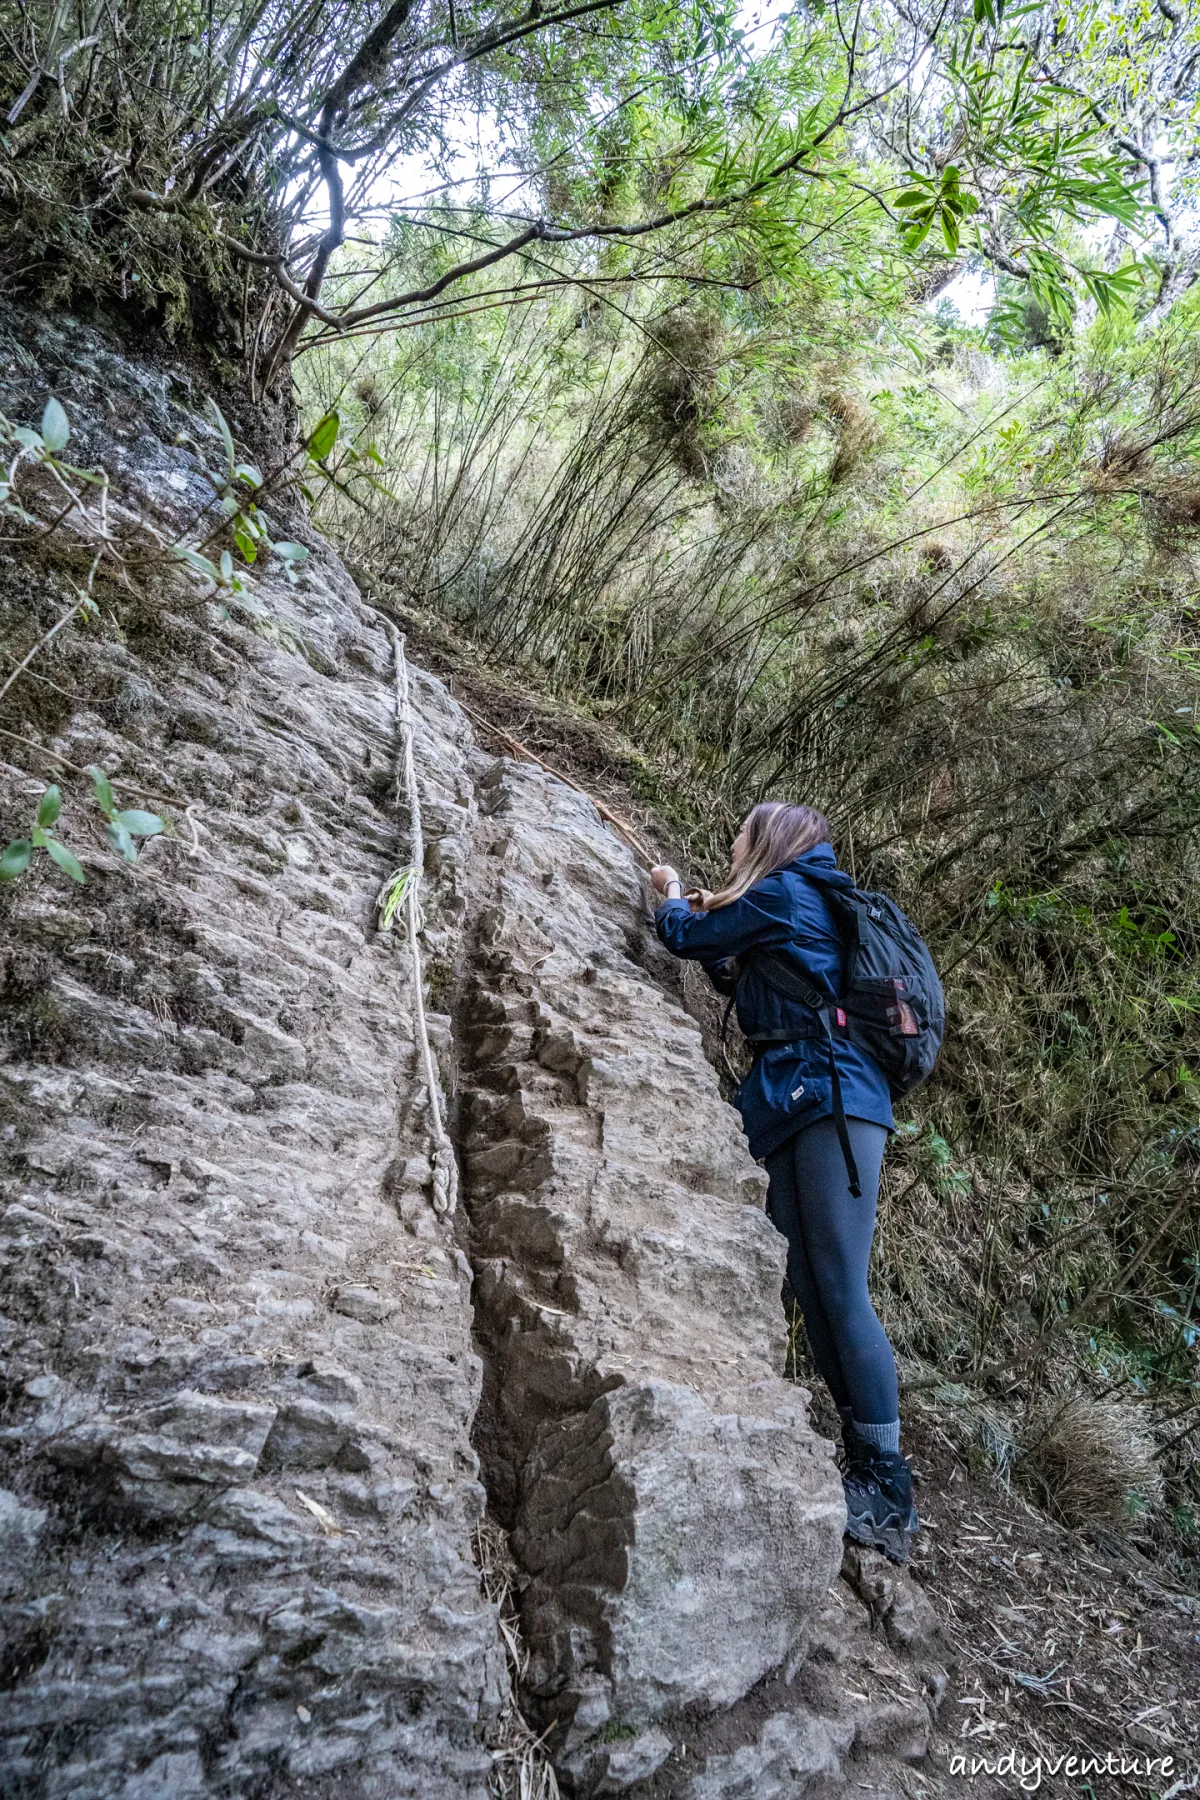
(523, 753)
(401, 894)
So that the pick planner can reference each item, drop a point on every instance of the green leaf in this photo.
(950, 231)
(39, 838)
(249, 474)
(1110, 287)
(392, 896)
(118, 836)
(56, 427)
(139, 824)
(245, 543)
(323, 437)
(49, 806)
(97, 478)
(226, 567)
(16, 859)
(105, 798)
(70, 865)
(28, 440)
(291, 553)
(226, 437)
(194, 560)
(912, 197)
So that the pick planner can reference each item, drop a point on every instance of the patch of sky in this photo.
(972, 295)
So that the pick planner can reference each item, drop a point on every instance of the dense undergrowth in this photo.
(946, 590)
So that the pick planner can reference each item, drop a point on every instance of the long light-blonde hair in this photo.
(775, 833)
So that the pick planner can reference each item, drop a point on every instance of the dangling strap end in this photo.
(839, 1110)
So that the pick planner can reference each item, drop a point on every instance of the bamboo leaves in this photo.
(931, 201)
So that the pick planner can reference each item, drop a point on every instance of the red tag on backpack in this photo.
(841, 1018)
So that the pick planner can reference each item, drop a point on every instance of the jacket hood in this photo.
(820, 857)
(820, 853)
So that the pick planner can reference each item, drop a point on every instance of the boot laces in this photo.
(871, 1470)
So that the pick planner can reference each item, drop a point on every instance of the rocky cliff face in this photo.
(676, 1518)
(258, 1393)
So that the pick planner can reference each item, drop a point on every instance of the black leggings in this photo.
(829, 1247)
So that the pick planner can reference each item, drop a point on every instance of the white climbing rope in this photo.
(445, 1168)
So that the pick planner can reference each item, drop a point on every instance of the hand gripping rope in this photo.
(403, 886)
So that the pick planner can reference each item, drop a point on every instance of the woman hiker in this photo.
(787, 1107)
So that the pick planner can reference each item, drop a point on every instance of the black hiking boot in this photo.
(879, 1497)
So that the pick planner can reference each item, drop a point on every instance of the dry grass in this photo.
(1090, 1462)
(1063, 1642)
(521, 1768)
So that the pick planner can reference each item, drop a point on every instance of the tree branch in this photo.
(364, 63)
(278, 267)
(552, 234)
(359, 70)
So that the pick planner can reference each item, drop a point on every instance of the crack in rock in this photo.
(676, 1519)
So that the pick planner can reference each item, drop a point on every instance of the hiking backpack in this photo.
(891, 1003)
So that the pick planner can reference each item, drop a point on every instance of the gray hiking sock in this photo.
(884, 1437)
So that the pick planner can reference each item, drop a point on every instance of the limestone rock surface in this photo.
(675, 1517)
(238, 1390)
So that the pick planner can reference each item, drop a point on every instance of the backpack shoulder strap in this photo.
(781, 973)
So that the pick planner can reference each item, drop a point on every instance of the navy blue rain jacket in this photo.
(790, 1085)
